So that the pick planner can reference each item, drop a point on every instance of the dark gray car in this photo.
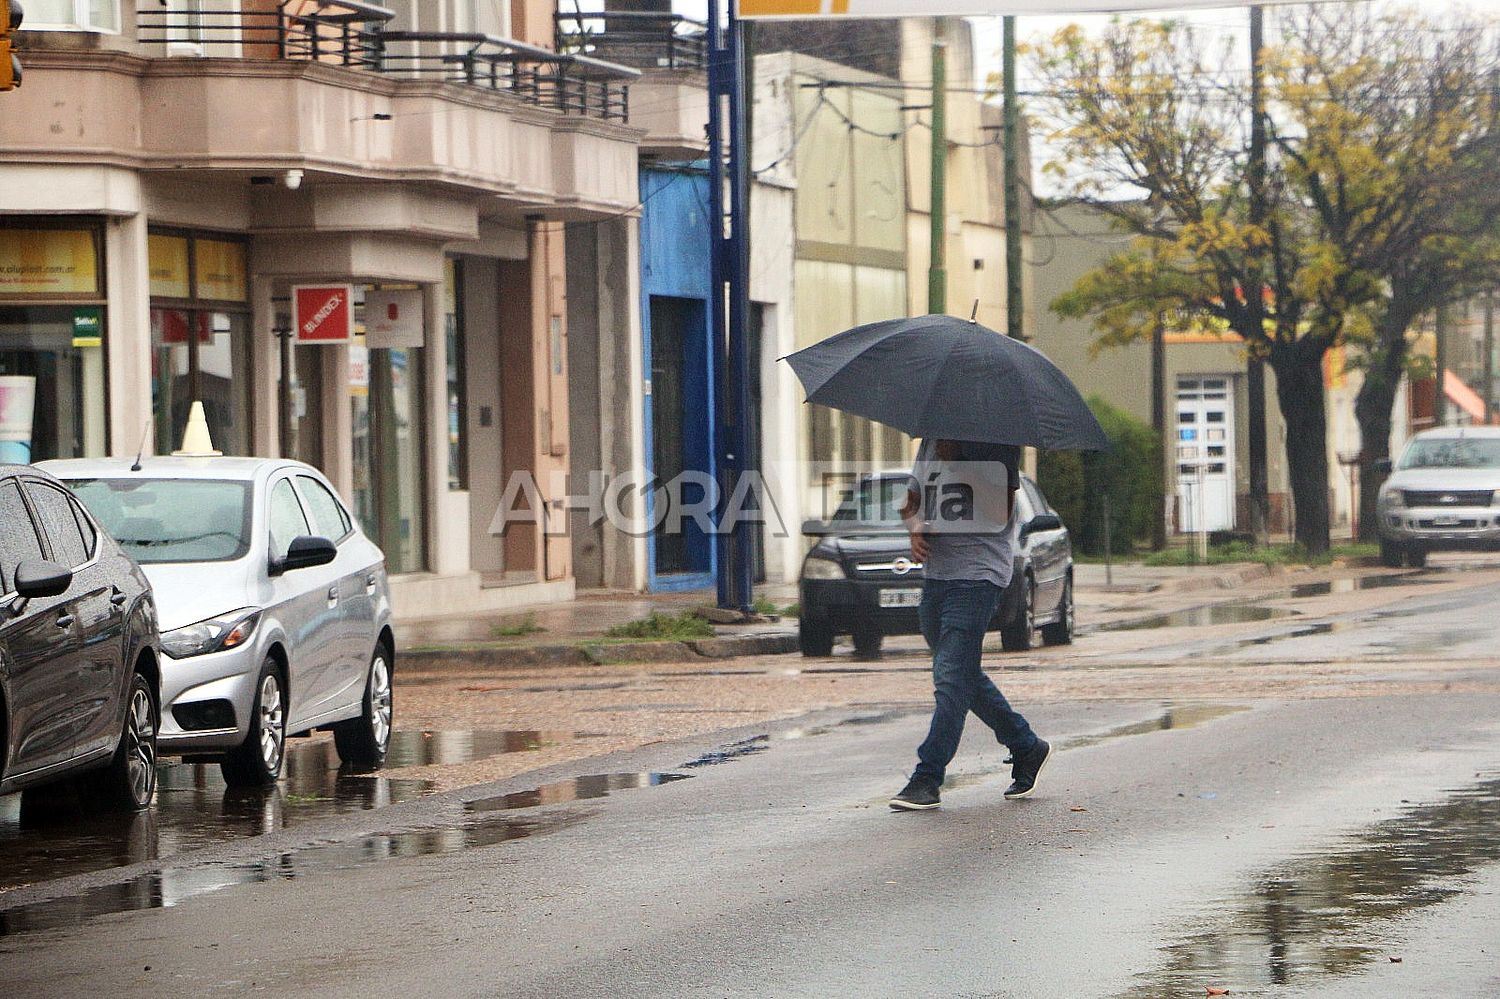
(859, 579)
(79, 650)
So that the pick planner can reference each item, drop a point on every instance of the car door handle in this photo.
(370, 583)
(333, 594)
(65, 620)
(118, 598)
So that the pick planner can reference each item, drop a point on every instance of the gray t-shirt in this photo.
(963, 504)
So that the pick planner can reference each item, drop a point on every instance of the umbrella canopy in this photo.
(937, 376)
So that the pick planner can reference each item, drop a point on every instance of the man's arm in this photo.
(919, 543)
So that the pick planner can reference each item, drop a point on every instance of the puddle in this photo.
(1201, 617)
(1173, 716)
(1330, 913)
(1305, 590)
(421, 749)
(480, 828)
(733, 751)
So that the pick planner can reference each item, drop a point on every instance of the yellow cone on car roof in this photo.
(196, 442)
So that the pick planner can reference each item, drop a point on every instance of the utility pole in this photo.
(1255, 372)
(1489, 356)
(1015, 304)
(937, 270)
(1440, 337)
(1159, 424)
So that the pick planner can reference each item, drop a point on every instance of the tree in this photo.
(1396, 142)
(1152, 131)
(1381, 193)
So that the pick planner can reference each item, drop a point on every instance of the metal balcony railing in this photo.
(572, 84)
(339, 32)
(354, 34)
(643, 39)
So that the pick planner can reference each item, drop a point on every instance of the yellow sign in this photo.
(167, 259)
(221, 269)
(48, 262)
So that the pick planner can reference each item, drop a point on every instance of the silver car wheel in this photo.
(140, 747)
(271, 722)
(380, 700)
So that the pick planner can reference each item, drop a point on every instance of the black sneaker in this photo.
(916, 796)
(1024, 771)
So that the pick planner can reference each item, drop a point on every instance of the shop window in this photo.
(52, 386)
(453, 330)
(200, 339)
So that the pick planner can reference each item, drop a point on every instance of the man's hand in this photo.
(920, 546)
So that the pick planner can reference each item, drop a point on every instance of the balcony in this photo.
(355, 35)
(670, 100)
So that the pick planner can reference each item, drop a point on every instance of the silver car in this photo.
(1441, 495)
(274, 608)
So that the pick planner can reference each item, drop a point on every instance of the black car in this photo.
(859, 579)
(79, 650)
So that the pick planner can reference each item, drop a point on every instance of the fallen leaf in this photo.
(1078, 808)
(1215, 992)
(1395, 960)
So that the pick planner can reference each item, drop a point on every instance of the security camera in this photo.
(292, 179)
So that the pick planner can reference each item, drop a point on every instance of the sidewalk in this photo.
(575, 632)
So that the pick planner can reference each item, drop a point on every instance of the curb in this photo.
(598, 654)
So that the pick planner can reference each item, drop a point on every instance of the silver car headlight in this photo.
(227, 631)
(817, 567)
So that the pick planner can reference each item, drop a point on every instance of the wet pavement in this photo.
(1265, 799)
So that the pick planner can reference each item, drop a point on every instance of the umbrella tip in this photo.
(974, 313)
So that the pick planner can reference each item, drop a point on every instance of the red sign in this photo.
(323, 313)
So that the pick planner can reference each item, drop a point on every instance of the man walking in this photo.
(959, 514)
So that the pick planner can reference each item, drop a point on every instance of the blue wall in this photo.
(675, 263)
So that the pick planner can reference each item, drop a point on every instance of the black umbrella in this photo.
(937, 376)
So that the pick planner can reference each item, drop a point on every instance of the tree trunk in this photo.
(1299, 389)
(1373, 408)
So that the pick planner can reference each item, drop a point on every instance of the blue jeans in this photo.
(954, 615)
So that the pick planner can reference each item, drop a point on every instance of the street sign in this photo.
(955, 8)
(324, 313)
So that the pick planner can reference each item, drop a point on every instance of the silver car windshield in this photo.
(172, 520)
(877, 500)
(1452, 452)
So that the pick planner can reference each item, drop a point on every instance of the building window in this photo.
(73, 15)
(200, 339)
(53, 327)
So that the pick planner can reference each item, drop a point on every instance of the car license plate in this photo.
(900, 598)
(1445, 521)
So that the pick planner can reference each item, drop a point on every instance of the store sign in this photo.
(919, 8)
(220, 269)
(167, 261)
(88, 326)
(394, 318)
(323, 313)
(48, 262)
(359, 370)
(171, 326)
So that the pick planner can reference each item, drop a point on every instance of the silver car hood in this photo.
(1437, 479)
(189, 592)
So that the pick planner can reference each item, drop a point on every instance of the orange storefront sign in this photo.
(48, 262)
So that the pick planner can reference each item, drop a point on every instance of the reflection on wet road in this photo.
(52, 835)
(1328, 913)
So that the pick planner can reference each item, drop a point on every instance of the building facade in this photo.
(168, 175)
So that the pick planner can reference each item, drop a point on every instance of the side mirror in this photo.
(1382, 466)
(304, 553)
(1044, 522)
(36, 578)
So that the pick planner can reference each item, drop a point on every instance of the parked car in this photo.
(79, 652)
(1441, 495)
(275, 611)
(859, 579)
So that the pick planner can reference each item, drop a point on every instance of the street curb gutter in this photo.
(598, 654)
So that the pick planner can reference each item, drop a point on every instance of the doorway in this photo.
(1205, 453)
(681, 423)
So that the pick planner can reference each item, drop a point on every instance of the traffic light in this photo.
(10, 66)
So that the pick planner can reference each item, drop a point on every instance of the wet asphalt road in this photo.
(1271, 847)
